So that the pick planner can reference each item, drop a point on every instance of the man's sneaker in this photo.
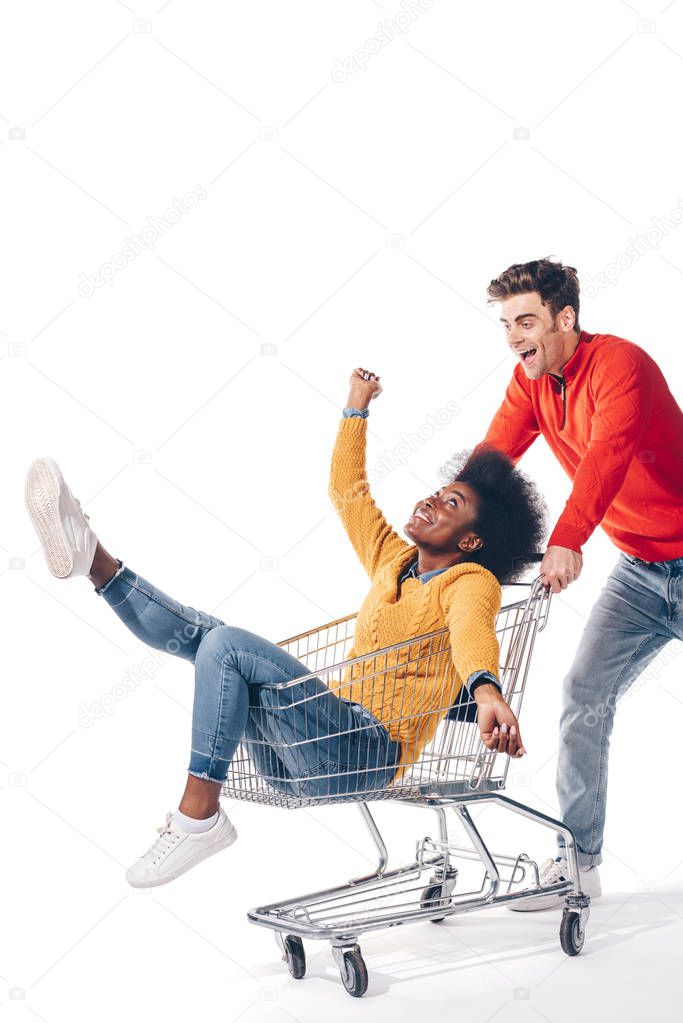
(553, 872)
(176, 851)
(68, 541)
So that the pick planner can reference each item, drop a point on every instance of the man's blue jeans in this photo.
(303, 740)
(638, 612)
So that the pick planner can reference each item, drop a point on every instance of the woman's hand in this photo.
(498, 726)
(363, 387)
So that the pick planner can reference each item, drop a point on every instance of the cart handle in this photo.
(534, 594)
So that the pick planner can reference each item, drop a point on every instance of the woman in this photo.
(472, 535)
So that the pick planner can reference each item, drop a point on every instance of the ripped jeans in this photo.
(303, 740)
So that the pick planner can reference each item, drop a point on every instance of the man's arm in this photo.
(623, 396)
(373, 539)
(514, 427)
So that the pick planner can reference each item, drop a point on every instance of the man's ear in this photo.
(470, 543)
(567, 318)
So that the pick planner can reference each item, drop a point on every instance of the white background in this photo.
(345, 223)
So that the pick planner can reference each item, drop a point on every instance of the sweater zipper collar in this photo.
(560, 380)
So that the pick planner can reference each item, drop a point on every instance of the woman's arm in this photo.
(470, 604)
(373, 539)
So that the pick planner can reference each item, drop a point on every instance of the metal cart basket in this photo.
(454, 769)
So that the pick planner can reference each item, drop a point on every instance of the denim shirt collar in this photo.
(424, 577)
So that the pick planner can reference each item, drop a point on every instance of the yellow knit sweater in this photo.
(465, 597)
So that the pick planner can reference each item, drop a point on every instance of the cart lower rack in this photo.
(303, 749)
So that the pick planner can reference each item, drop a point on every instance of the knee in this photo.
(225, 643)
(217, 644)
(584, 707)
(573, 698)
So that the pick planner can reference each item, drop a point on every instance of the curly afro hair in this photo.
(512, 513)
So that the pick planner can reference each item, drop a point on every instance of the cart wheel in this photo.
(295, 956)
(354, 974)
(436, 895)
(572, 936)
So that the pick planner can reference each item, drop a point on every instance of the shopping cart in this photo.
(455, 769)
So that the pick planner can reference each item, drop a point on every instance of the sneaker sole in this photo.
(42, 502)
(539, 907)
(222, 843)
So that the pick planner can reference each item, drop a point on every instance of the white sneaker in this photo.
(68, 541)
(553, 872)
(177, 851)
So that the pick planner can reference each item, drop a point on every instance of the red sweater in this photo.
(617, 431)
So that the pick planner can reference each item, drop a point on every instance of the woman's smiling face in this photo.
(444, 521)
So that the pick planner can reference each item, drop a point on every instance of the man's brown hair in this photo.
(557, 285)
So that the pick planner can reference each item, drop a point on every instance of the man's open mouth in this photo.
(421, 514)
(528, 354)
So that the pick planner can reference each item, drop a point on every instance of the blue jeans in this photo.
(638, 612)
(303, 740)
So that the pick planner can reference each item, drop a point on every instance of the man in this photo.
(606, 411)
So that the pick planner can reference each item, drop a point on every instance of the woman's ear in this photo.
(470, 543)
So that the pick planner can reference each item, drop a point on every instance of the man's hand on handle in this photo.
(560, 567)
(498, 726)
(363, 387)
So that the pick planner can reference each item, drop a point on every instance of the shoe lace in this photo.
(165, 842)
(553, 870)
(85, 517)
